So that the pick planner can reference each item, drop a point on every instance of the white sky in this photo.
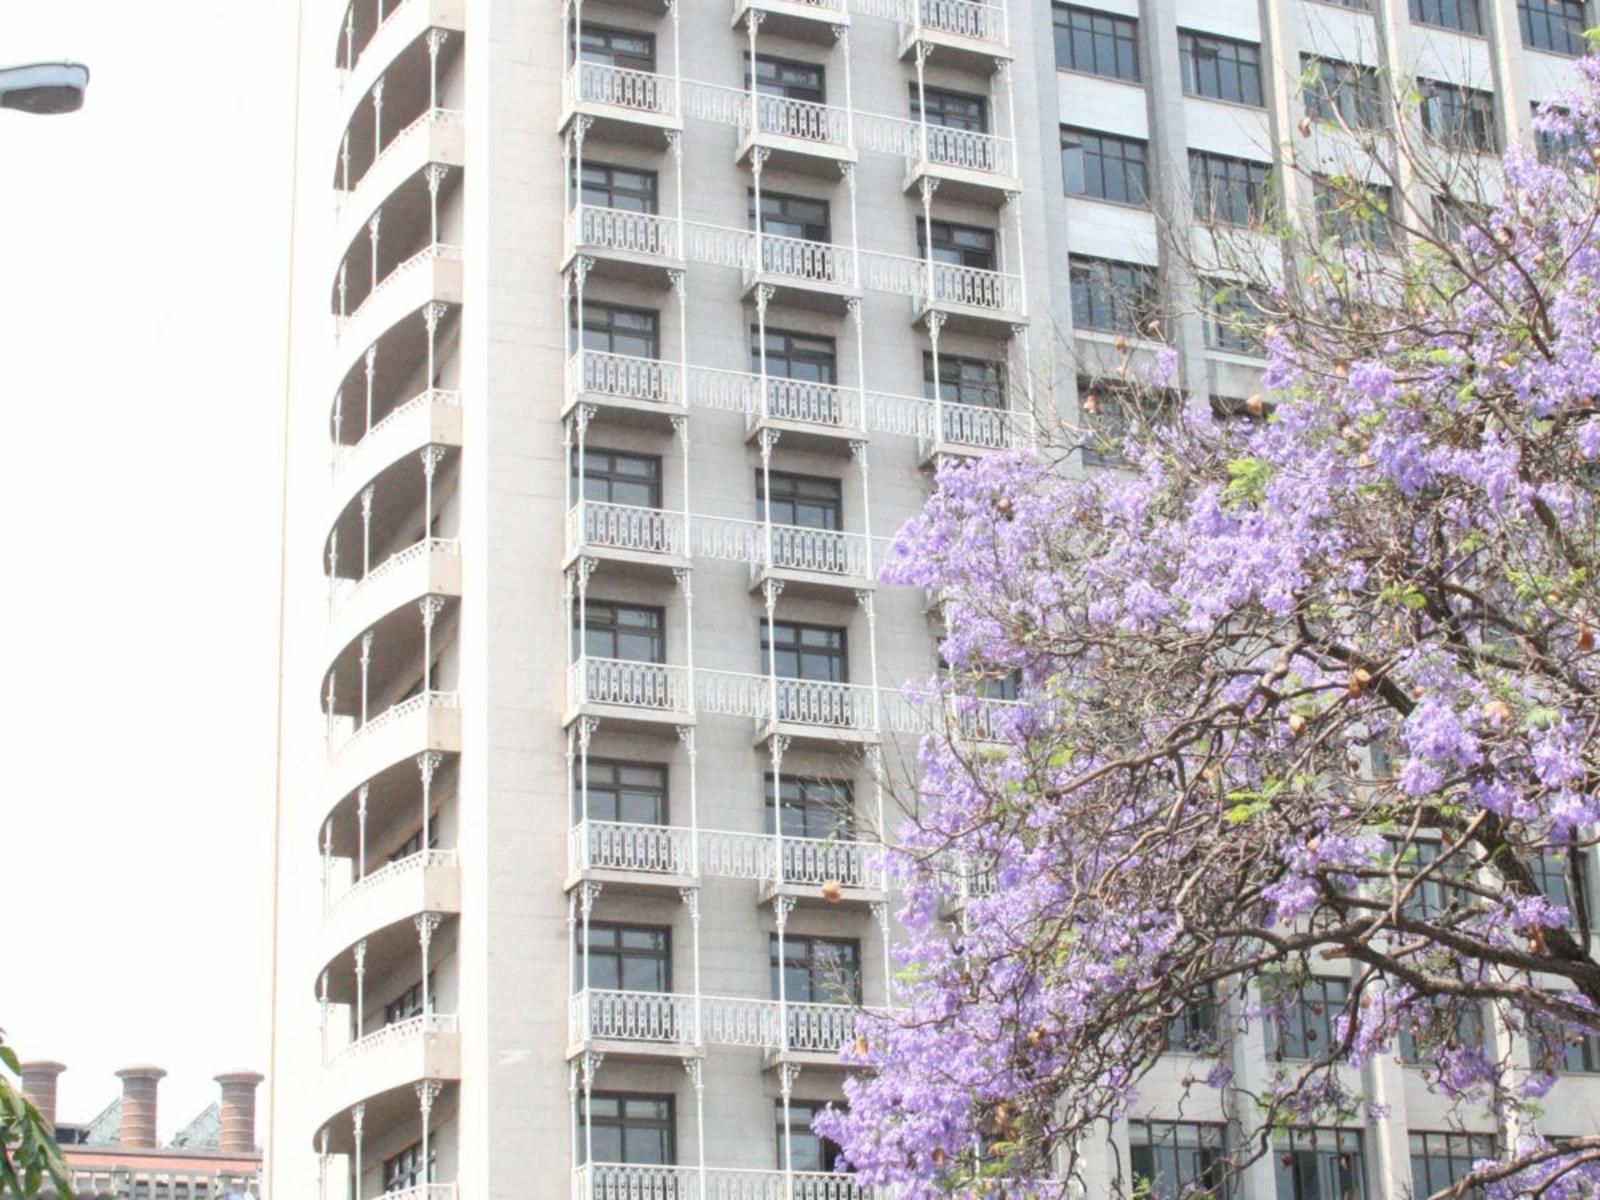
(142, 292)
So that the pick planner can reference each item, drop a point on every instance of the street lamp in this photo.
(44, 88)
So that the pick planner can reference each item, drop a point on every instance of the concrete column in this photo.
(39, 1086)
(238, 1111)
(139, 1105)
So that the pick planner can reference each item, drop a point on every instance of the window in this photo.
(1558, 147)
(1194, 1030)
(975, 381)
(626, 48)
(1104, 166)
(628, 958)
(625, 792)
(790, 216)
(808, 1150)
(794, 651)
(1231, 190)
(950, 110)
(1342, 92)
(809, 501)
(1430, 898)
(1459, 116)
(1321, 1164)
(1436, 1031)
(1231, 318)
(959, 245)
(1441, 1159)
(1098, 43)
(801, 356)
(629, 632)
(607, 186)
(1119, 297)
(1555, 1046)
(1550, 874)
(408, 1003)
(1355, 212)
(812, 808)
(1220, 68)
(613, 477)
(608, 329)
(1554, 25)
(787, 78)
(817, 970)
(628, 1128)
(1461, 15)
(1452, 216)
(1110, 409)
(1306, 1028)
(404, 1170)
(1174, 1158)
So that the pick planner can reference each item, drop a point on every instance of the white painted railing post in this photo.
(361, 831)
(426, 1091)
(372, 363)
(360, 953)
(427, 763)
(366, 670)
(322, 1003)
(426, 923)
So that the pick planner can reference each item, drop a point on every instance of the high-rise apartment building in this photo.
(626, 333)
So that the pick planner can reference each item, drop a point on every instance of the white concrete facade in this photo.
(450, 839)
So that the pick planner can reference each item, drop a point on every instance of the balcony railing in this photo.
(392, 871)
(424, 1191)
(611, 1181)
(808, 403)
(963, 18)
(631, 1017)
(347, 734)
(422, 401)
(668, 1018)
(806, 261)
(619, 87)
(601, 525)
(973, 287)
(382, 1040)
(648, 687)
(161, 1183)
(619, 846)
(979, 427)
(803, 120)
(968, 150)
(830, 705)
(625, 377)
(346, 590)
(823, 551)
(595, 227)
(426, 256)
(815, 861)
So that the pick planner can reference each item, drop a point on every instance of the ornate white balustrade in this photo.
(973, 288)
(159, 1183)
(347, 590)
(597, 525)
(424, 1191)
(822, 405)
(624, 377)
(619, 87)
(414, 137)
(609, 1181)
(413, 411)
(842, 706)
(382, 1041)
(668, 1019)
(967, 150)
(597, 229)
(796, 260)
(959, 18)
(803, 120)
(820, 551)
(641, 686)
(347, 735)
(636, 849)
(958, 428)
(656, 1017)
(389, 873)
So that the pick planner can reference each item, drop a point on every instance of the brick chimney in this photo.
(238, 1109)
(39, 1086)
(139, 1105)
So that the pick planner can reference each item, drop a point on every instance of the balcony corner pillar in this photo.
(358, 1120)
(367, 494)
(366, 673)
(361, 831)
(360, 953)
(427, 763)
(371, 367)
(427, 1091)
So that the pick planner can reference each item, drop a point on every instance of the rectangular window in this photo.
(809, 501)
(979, 382)
(1459, 116)
(631, 1128)
(625, 792)
(1232, 318)
(1320, 1164)
(1435, 1031)
(404, 1170)
(787, 78)
(1234, 191)
(784, 215)
(1110, 408)
(1554, 1046)
(812, 808)
(800, 356)
(628, 958)
(608, 186)
(1194, 1030)
(794, 651)
(1343, 92)
(1220, 68)
(1558, 147)
(1306, 1029)
(1431, 896)
(631, 632)
(1441, 1159)
(1099, 43)
(611, 329)
(1556, 881)
(408, 1003)
(612, 47)
(1553, 25)
(1118, 297)
(959, 245)
(817, 970)
(808, 1150)
(615, 477)
(1178, 1158)
(1461, 15)
(1104, 166)
(950, 110)
(1355, 213)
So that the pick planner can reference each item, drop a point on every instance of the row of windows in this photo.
(638, 958)
(635, 1128)
(636, 794)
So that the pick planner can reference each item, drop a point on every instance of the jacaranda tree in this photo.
(1309, 689)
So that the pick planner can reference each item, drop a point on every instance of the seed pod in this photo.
(1497, 712)
(861, 1043)
(1359, 678)
(1255, 405)
(1003, 506)
(1305, 126)
(1121, 344)
(938, 1156)
(1585, 634)
(832, 891)
(1297, 724)
(1091, 404)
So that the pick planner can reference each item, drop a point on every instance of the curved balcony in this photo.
(617, 1181)
(633, 694)
(428, 721)
(431, 567)
(430, 418)
(634, 246)
(629, 388)
(426, 882)
(395, 652)
(405, 24)
(626, 535)
(960, 33)
(410, 85)
(806, 20)
(407, 221)
(431, 275)
(393, 372)
(394, 799)
(627, 105)
(801, 273)
(382, 1069)
(437, 137)
(967, 165)
(818, 416)
(384, 510)
(973, 430)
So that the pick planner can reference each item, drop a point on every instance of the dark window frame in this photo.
(966, 379)
(1093, 42)
(957, 244)
(600, 39)
(1553, 26)
(657, 634)
(800, 1134)
(624, 1122)
(839, 654)
(935, 104)
(1335, 218)
(404, 1170)
(601, 466)
(1459, 16)
(793, 492)
(607, 777)
(1315, 1005)
(601, 179)
(817, 966)
(1180, 1157)
(1457, 115)
(1439, 1158)
(1113, 296)
(782, 202)
(785, 348)
(619, 952)
(649, 331)
(1207, 61)
(827, 804)
(1350, 90)
(1244, 186)
(787, 88)
(1104, 158)
(1347, 1154)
